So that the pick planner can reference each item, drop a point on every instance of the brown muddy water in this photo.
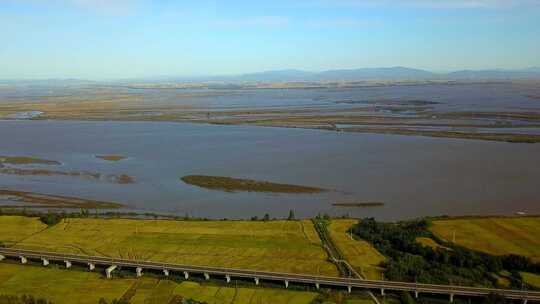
(412, 176)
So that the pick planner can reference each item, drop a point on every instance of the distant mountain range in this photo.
(391, 73)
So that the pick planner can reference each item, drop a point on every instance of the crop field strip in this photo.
(281, 246)
(360, 254)
(498, 236)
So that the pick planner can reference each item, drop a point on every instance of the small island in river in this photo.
(358, 204)
(111, 157)
(230, 184)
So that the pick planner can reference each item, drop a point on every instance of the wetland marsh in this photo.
(421, 148)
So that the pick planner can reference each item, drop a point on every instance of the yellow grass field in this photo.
(360, 254)
(284, 246)
(496, 236)
(14, 229)
(70, 286)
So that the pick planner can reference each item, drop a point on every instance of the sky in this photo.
(111, 39)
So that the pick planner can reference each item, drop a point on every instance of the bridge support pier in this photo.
(416, 294)
(524, 301)
(138, 270)
(349, 289)
(166, 272)
(68, 264)
(206, 276)
(256, 281)
(317, 286)
(382, 291)
(2, 257)
(91, 266)
(228, 278)
(451, 298)
(109, 271)
(286, 284)
(45, 262)
(23, 260)
(186, 275)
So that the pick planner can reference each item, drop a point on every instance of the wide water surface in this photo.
(413, 176)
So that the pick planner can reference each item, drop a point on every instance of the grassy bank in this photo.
(497, 236)
(284, 246)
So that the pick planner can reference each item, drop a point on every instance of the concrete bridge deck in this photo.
(286, 278)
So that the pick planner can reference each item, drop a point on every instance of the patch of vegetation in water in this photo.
(55, 201)
(398, 102)
(116, 179)
(123, 179)
(358, 204)
(230, 184)
(25, 160)
(111, 157)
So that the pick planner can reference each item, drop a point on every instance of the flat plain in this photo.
(360, 254)
(71, 286)
(283, 246)
(495, 235)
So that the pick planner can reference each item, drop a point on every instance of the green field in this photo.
(531, 279)
(496, 236)
(360, 254)
(70, 286)
(283, 246)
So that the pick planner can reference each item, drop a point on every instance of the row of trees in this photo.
(408, 260)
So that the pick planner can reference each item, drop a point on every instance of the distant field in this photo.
(497, 236)
(429, 242)
(531, 279)
(17, 228)
(285, 246)
(70, 286)
(360, 254)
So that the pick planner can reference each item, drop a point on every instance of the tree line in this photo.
(408, 260)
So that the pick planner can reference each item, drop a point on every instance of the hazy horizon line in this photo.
(232, 75)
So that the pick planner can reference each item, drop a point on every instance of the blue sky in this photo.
(105, 39)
